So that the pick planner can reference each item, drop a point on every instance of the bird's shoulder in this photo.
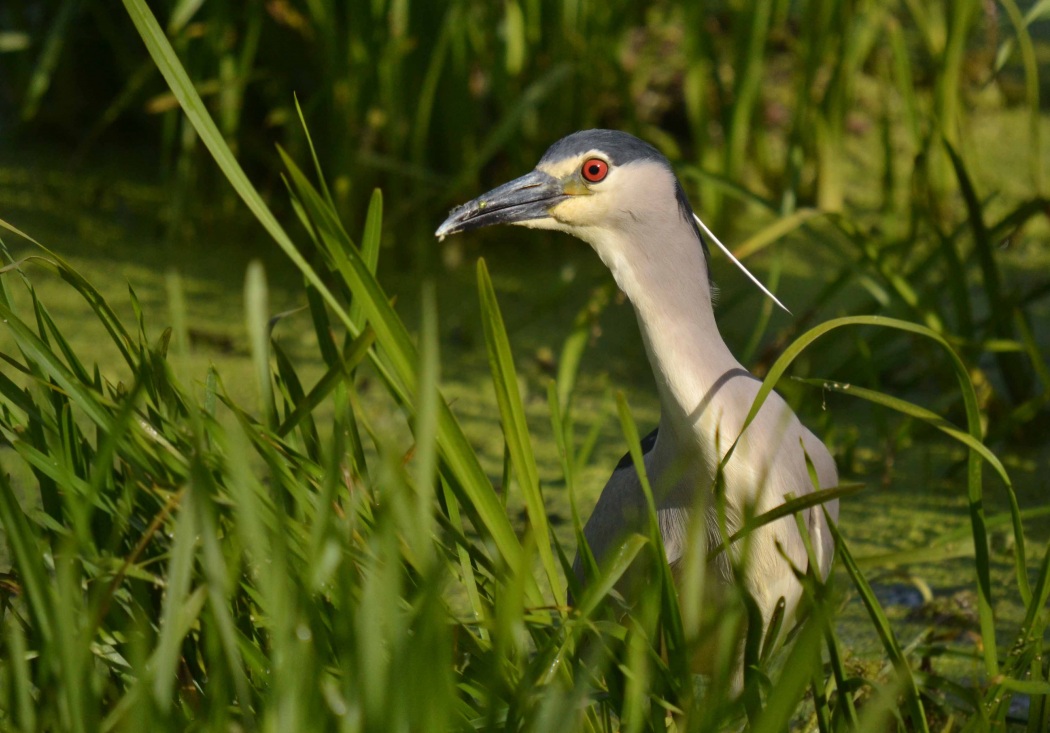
(647, 445)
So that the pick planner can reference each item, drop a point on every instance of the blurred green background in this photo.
(813, 137)
(863, 156)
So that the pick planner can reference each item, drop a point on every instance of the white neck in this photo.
(662, 269)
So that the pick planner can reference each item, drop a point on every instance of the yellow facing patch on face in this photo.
(567, 171)
(581, 210)
(575, 187)
(570, 167)
(564, 168)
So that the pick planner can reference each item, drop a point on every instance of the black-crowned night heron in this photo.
(620, 195)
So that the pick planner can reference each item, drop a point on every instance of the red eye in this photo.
(595, 170)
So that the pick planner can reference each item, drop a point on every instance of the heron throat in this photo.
(662, 269)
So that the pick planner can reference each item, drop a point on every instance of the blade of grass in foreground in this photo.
(782, 703)
(217, 574)
(391, 334)
(175, 605)
(425, 429)
(43, 358)
(671, 616)
(917, 411)
(398, 366)
(913, 701)
(25, 551)
(973, 420)
(788, 508)
(121, 338)
(515, 427)
(256, 315)
(931, 418)
(23, 712)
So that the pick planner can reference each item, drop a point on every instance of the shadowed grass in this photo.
(182, 559)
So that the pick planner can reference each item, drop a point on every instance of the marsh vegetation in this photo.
(272, 458)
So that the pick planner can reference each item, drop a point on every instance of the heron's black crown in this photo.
(619, 147)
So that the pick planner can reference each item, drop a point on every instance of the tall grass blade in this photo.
(23, 709)
(788, 508)
(49, 58)
(972, 443)
(515, 426)
(1031, 78)
(370, 242)
(356, 351)
(257, 318)
(670, 612)
(174, 620)
(781, 705)
(774, 232)
(973, 419)
(913, 701)
(918, 412)
(426, 421)
(25, 552)
(1018, 379)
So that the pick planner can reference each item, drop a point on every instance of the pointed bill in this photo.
(522, 200)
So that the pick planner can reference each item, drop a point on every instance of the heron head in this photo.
(591, 184)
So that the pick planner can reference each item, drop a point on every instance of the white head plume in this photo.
(738, 263)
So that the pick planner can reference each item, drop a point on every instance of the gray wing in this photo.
(620, 509)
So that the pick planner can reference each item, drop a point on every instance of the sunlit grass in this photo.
(325, 528)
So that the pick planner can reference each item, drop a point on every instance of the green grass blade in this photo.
(50, 55)
(515, 426)
(466, 568)
(184, 90)
(610, 573)
(41, 354)
(257, 318)
(972, 443)
(370, 242)
(292, 393)
(918, 412)
(775, 231)
(781, 705)
(749, 63)
(562, 429)
(355, 352)
(313, 155)
(121, 338)
(177, 608)
(671, 615)
(25, 552)
(23, 710)
(913, 701)
(1018, 379)
(973, 419)
(217, 574)
(425, 429)
(793, 506)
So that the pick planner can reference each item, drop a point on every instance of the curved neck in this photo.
(663, 272)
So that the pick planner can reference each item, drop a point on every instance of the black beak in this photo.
(523, 199)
